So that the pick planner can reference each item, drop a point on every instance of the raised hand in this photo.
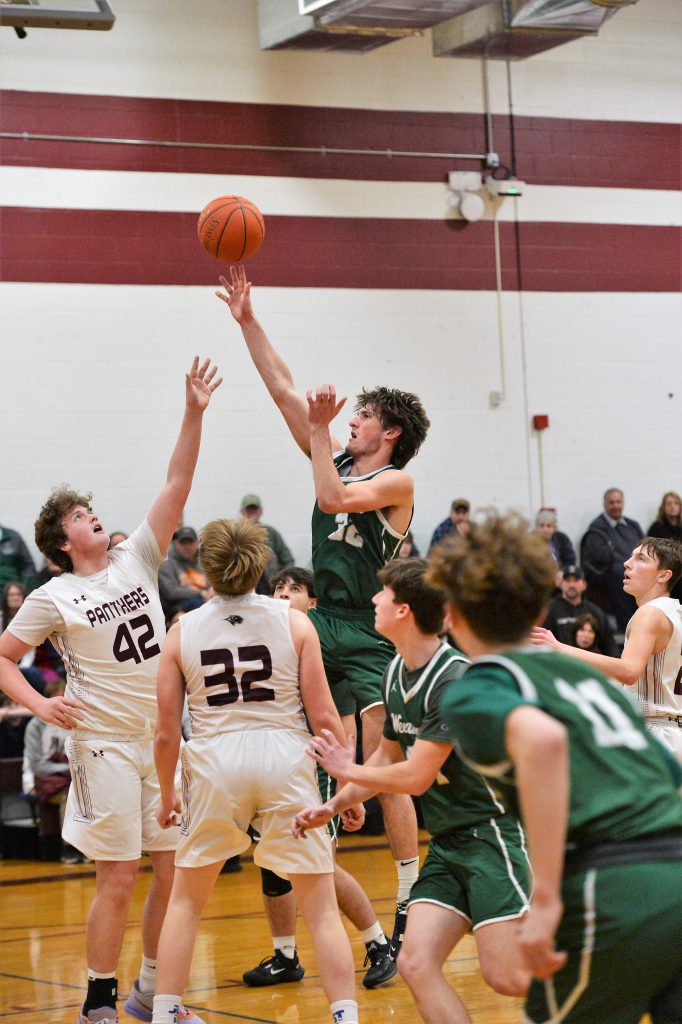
(200, 383)
(237, 294)
(310, 817)
(61, 711)
(322, 405)
(335, 759)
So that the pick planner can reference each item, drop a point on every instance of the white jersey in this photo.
(108, 629)
(659, 688)
(240, 666)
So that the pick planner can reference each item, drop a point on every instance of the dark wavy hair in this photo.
(401, 409)
(49, 529)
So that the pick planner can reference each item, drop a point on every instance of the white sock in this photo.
(165, 1008)
(344, 1011)
(146, 979)
(94, 976)
(407, 876)
(286, 944)
(374, 934)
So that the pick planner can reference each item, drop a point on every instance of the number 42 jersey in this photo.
(108, 629)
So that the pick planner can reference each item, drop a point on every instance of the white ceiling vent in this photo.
(515, 29)
(350, 25)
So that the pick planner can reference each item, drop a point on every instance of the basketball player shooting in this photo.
(361, 516)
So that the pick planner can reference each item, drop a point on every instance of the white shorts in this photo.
(667, 733)
(260, 778)
(113, 799)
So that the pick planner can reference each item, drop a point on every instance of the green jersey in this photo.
(459, 797)
(624, 784)
(350, 548)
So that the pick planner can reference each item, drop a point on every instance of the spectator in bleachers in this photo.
(15, 559)
(117, 537)
(13, 721)
(13, 596)
(566, 608)
(408, 548)
(607, 545)
(182, 583)
(456, 523)
(586, 634)
(546, 523)
(281, 556)
(668, 523)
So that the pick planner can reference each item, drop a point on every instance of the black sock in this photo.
(101, 992)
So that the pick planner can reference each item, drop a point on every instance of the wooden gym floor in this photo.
(42, 967)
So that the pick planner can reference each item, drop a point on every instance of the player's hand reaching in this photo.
(310, 817)
(169, 811)
(61, 711)
(237, 294)
(335, 759)
(200, 383)
(322, 405)
(542, 637)
(536, 938)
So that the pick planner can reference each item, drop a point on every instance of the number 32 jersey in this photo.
(108, 629)
(240, 667)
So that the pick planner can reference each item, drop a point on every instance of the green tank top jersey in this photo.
(349, 549)
(624, 784)
(459, 797)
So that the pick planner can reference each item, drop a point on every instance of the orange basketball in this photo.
(231, 228)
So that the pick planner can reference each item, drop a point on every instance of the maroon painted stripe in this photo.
(550, 151)
(124, 247)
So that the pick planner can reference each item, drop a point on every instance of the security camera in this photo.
(505, 186)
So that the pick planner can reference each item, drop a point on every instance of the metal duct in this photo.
(350, 25)
(516, 29)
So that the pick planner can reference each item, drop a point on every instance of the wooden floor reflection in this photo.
(42, 915)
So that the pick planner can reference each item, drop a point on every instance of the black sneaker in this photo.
(398, 929)
(273, 970)
(382, 967)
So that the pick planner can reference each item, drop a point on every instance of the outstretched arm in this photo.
(274, 372)
(650, 631)
(413, 775)
(200, 383)
(351, 794)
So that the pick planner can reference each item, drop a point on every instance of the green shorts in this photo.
(481, 873)
(621, 927)
(327, 786)
(355, 658)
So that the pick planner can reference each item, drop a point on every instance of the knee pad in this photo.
(272, 884)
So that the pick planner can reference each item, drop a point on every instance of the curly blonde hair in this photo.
(233, 553)
(499, 576)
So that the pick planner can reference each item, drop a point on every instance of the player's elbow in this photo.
(328, 503)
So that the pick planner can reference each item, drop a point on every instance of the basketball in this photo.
(231, 228)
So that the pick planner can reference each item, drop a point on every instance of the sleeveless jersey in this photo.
(108, 629)
(459, 797)
(623, 782)
(659, 688)
(240, 667)
(349, 548)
